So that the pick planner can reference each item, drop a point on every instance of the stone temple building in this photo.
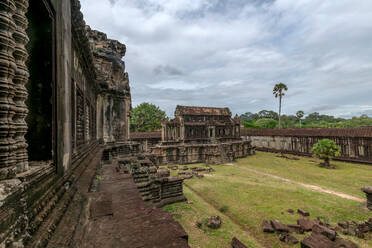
(201, 124)
(201, 134)
(68, 173)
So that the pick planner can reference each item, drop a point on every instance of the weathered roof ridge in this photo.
(312, 132)
(197, 110)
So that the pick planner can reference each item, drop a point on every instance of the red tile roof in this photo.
(314, 132)
(193, 110)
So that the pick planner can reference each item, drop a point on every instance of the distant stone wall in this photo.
(355, 143)
(146, 139)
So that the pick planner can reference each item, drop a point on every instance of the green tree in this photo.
(326, 149)
(300, 114)
(266, 123)
(249, 117)
(146, 117)
(278, 91)
(268, 114)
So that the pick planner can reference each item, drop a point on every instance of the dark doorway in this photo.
(41, 82)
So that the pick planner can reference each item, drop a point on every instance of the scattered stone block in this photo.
(235, 243)
(291, 211)
(267, 227)
(341, 243)
(303, 212)
(214, 222)
(200, 176)
(368, 191)
(306, 224)
(295, 229)
(287, 238)
(279, 227)
(343, 225)
(187, 176)
(329, 233)
(163, 172)
(317, 241)
(364, 227)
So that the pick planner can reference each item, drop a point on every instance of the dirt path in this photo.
(307, 186)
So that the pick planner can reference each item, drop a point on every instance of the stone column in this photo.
(368, 191)
(20, 79)
(7, 106)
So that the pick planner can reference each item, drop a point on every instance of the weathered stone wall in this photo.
(201, 153)
(147, 140)
(34, 197)
(355, 143)
(114, 103)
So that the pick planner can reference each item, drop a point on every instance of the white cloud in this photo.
(231, 53)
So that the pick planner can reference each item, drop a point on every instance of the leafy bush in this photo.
(326, 149)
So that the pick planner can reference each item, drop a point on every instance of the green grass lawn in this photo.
(249, 198)
(347, 178)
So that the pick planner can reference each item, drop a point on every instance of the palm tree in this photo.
(278, 92)
(299, 115)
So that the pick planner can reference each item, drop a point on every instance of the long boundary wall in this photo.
(355, 143)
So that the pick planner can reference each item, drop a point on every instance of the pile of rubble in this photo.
(323, 235)
(195, 171)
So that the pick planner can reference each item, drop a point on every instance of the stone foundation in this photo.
(201, 153)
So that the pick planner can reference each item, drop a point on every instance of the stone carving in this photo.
(7, 106)
(20, 79)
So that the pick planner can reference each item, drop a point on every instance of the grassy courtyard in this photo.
(264, 186)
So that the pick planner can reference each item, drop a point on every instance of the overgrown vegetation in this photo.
(146, 117)
(252, 120)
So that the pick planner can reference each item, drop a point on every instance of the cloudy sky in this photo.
(232, 52)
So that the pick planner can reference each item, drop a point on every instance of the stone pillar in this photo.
(7, 106)
(368, 191)
(20, 79)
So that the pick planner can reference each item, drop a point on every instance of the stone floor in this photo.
(116, 216)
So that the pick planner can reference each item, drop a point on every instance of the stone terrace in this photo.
(116, 216)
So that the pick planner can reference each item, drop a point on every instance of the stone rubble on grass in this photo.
(214, 222)
(295, 229)
(325, 231)
(267, 227)
(306, 224)
(323, 235)
(291, 211)
(235, 243)
(287, 238)
(279, 227)
(303, 212)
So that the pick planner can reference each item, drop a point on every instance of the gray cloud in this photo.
(231, 53)
(168, 70)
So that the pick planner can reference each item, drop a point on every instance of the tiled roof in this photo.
(193, 110)
(315, 132)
